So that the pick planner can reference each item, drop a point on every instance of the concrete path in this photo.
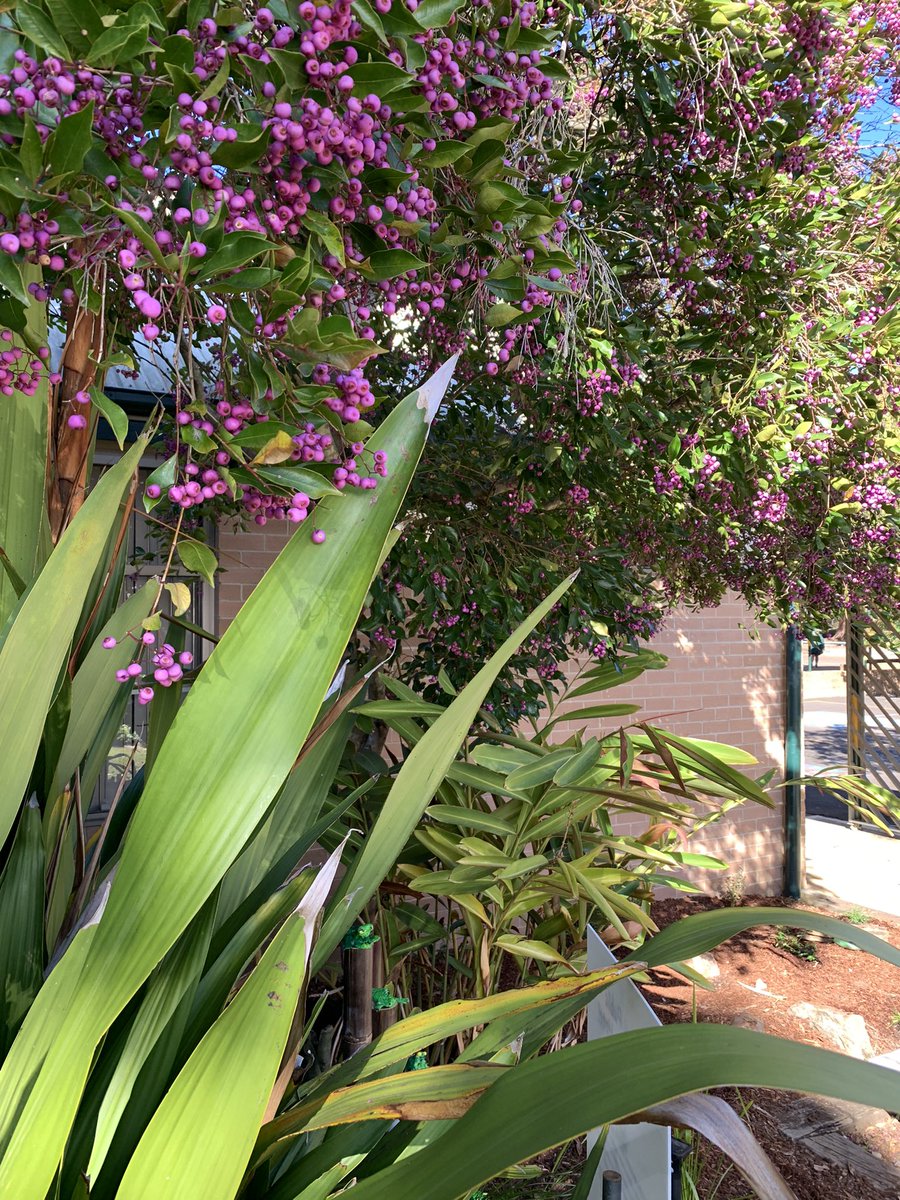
(847, 868)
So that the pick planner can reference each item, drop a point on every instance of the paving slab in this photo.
(848, 867)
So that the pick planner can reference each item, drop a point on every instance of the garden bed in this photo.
(763, 976)
(805, 1138)
(796, 968)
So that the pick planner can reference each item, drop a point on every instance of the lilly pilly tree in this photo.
(708, 402)
(653, 234)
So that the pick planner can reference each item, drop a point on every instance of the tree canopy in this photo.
(661, 237)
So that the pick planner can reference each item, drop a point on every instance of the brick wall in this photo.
(725, 686)
(244, 557)
(721, 684)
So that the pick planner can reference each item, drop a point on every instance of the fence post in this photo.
(612, 1185)
(793, 854)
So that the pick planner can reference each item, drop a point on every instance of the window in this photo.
(146, 557)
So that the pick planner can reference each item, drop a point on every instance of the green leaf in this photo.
(165, 478)
(594, 712)
(246, 150)
(202, 1134)
(614, 678)
(11, 278)
(31, 151)
(329, 234)
(528, 948)
(121, 42)
(383, 710)
(198, 558)
(12, 575)
(470, 818)
(435, 14)
(697, 934)
(24, 535)
(116, 417)
(497, 197)
(538, 770)
(369, 18)
(71, 142)
(388, 264)
(543, 1103)
(38, 27)
(179, 971)
(21, 924)
(578, 765)
(503, 314)
(383, 78)
(47, 1014)
(38, 643)
(415, 786)
(78, 21)
(249, 280)
(283, 648)
(504, 759)
(445, 153)
(95, 688)
(297, 479)
(236, 250)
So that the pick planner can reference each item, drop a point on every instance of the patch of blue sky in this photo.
(879, 124)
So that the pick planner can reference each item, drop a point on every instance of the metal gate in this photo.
(873, 702)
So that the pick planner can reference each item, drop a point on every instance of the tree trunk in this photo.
(358, 964)
(69, 448)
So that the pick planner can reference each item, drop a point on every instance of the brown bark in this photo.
(357, 999)
(69, 448)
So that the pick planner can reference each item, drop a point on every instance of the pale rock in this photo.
(705, 965)
(845, 1030)
(749, 1020)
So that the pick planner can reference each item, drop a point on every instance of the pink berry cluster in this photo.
(21, 371)
(264, 508)
(167, 664)
(353, 392)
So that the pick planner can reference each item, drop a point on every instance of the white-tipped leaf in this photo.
(229, 749)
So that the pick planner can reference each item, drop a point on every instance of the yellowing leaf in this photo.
(181, 597)
(276, 450)
(767, 433)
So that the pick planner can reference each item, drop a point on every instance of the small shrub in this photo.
(794, 942)
(856, 916)
(734, 887)
(895, 1020)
